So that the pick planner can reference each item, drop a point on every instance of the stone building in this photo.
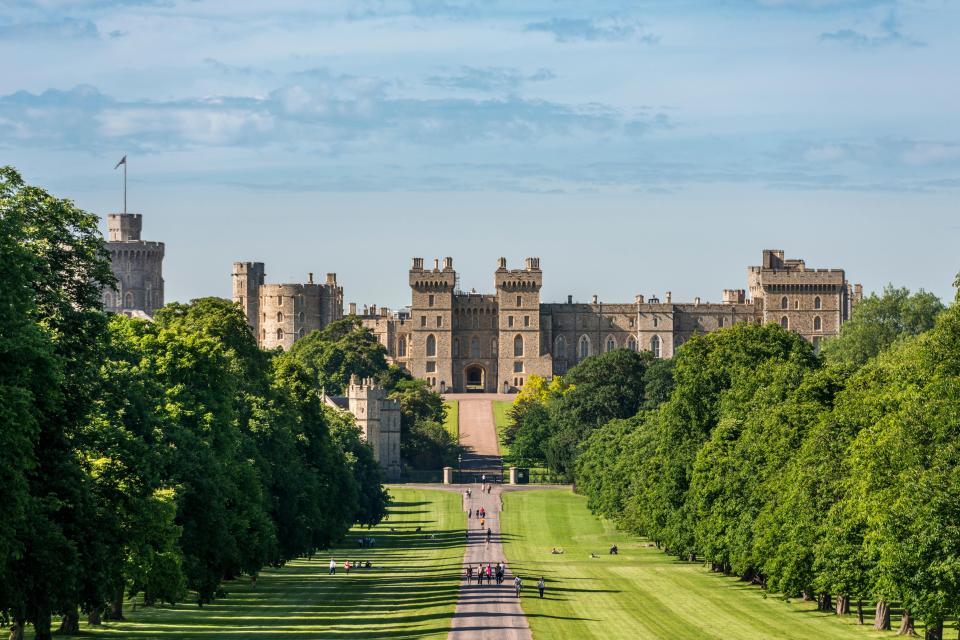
(461, 341)
(137, 265)
(280, 314)
(378, 418)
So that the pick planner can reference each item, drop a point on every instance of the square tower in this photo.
(431, 317)
(521, 352)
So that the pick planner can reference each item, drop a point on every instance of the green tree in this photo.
(337, 352)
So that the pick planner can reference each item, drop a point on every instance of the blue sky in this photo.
(634, 146)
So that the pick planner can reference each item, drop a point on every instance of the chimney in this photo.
(528, 264)
(310, 278)
(418, 264)
(436, 264)
(353, 308)
(594, 298)
(383, 312)
(366, 310)
(696, 301)
(447, 263)
(669, 297)
(373, 309)
(331, 278)
(569, 299)
(502, 263)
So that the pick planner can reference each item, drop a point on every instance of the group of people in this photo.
(367, 542)
(497, 572)
(347, 565)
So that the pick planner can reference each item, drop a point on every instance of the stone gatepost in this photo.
(448, 475)
(513, 475)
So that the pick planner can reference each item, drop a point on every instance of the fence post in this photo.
(448, 475)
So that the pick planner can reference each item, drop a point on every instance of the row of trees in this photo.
(833, 477)
(149, 459)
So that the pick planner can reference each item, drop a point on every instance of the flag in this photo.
(123, 160)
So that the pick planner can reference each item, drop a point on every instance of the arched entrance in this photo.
(474, 377)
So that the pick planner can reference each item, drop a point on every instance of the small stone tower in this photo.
(137, 265)
(379, 422)
(521, 352)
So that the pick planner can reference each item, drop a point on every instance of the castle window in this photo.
(279, 334)
(474, 347)
(439, 321)
(784, 322)
(279, 317)
(107, 299)
(611, 343)
(518, 366)
(656, 322)
(279, 299)
(518, 347)
(509, 321)
(783, 302)
(584, 347)
(476, 322)
(560, 347)
(519, 301)
(526, 321)
(631, 322)
(431, 346)
(720, 322)
(430, 300)
(129, 300)
(632, 343)
(796, 304)
(655, 346)
(423, 321)
(300, 333)
(431, 366)
(402, 347)
(817, 303)
(456, 347)
(817, 324)
(300, 317)
(493, 348)
(263, 334)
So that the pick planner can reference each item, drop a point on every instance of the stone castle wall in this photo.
(137, 265)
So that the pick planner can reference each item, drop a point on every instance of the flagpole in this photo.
(124, 184)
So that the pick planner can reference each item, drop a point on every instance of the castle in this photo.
(378, 418)
(459, 341)
(137, 265)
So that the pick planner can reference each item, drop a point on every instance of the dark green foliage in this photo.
(338, 351)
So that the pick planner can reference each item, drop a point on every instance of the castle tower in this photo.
(431, 313)
(520, 350)
(379, 420)
(137, 265)
(248, 277)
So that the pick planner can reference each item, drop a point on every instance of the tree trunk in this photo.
(906, 625)
(116, 607)
(16, 631)
(934, 631)
(881, 619)
(824, 602)
(70, 623)
(860, 611)
(94, 619)
(843, 605)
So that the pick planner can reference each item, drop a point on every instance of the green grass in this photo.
(501, 417)
(452, 420)
(640, 593)
(410, 593)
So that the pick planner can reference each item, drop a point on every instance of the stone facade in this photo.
(137, 265)
(462, 341)
(279, 314)
(378, 418)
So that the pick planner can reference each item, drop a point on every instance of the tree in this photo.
(373, 499)
(337, 352)
(878, 321)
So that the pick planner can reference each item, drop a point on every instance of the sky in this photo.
(635, 147)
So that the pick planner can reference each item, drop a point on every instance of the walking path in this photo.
(488, 610)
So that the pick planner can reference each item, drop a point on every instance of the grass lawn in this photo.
(640, 593)
(501, 416)
(452, 420)
(410, 593)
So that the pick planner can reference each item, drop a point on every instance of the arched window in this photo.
(817, 324)
(817, 303)
(783, 302)
(656, 322)
(431, 346)
(784, 322)
(279, 317)
(474, 347)
(107, 299)
(518, 347)
(720, 322)
(456, 347)
(611, 343)
(655, 346)
(300, 317)
(402, 347)
(279, 334)
(632, 343)
(560, 347)
(584, 347)
(493, 348)
(129, 300)
(300, 333)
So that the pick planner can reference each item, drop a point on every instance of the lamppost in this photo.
(459, 467)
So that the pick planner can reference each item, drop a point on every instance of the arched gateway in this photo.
(475, 378)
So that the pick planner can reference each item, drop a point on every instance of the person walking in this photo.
(517, 585)
(333, 566)
(480, 574)
(541, 585)
(489, 573)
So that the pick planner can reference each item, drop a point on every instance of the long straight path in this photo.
(485, 611)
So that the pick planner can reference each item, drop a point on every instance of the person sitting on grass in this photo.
(613, 549)
(556, 551)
